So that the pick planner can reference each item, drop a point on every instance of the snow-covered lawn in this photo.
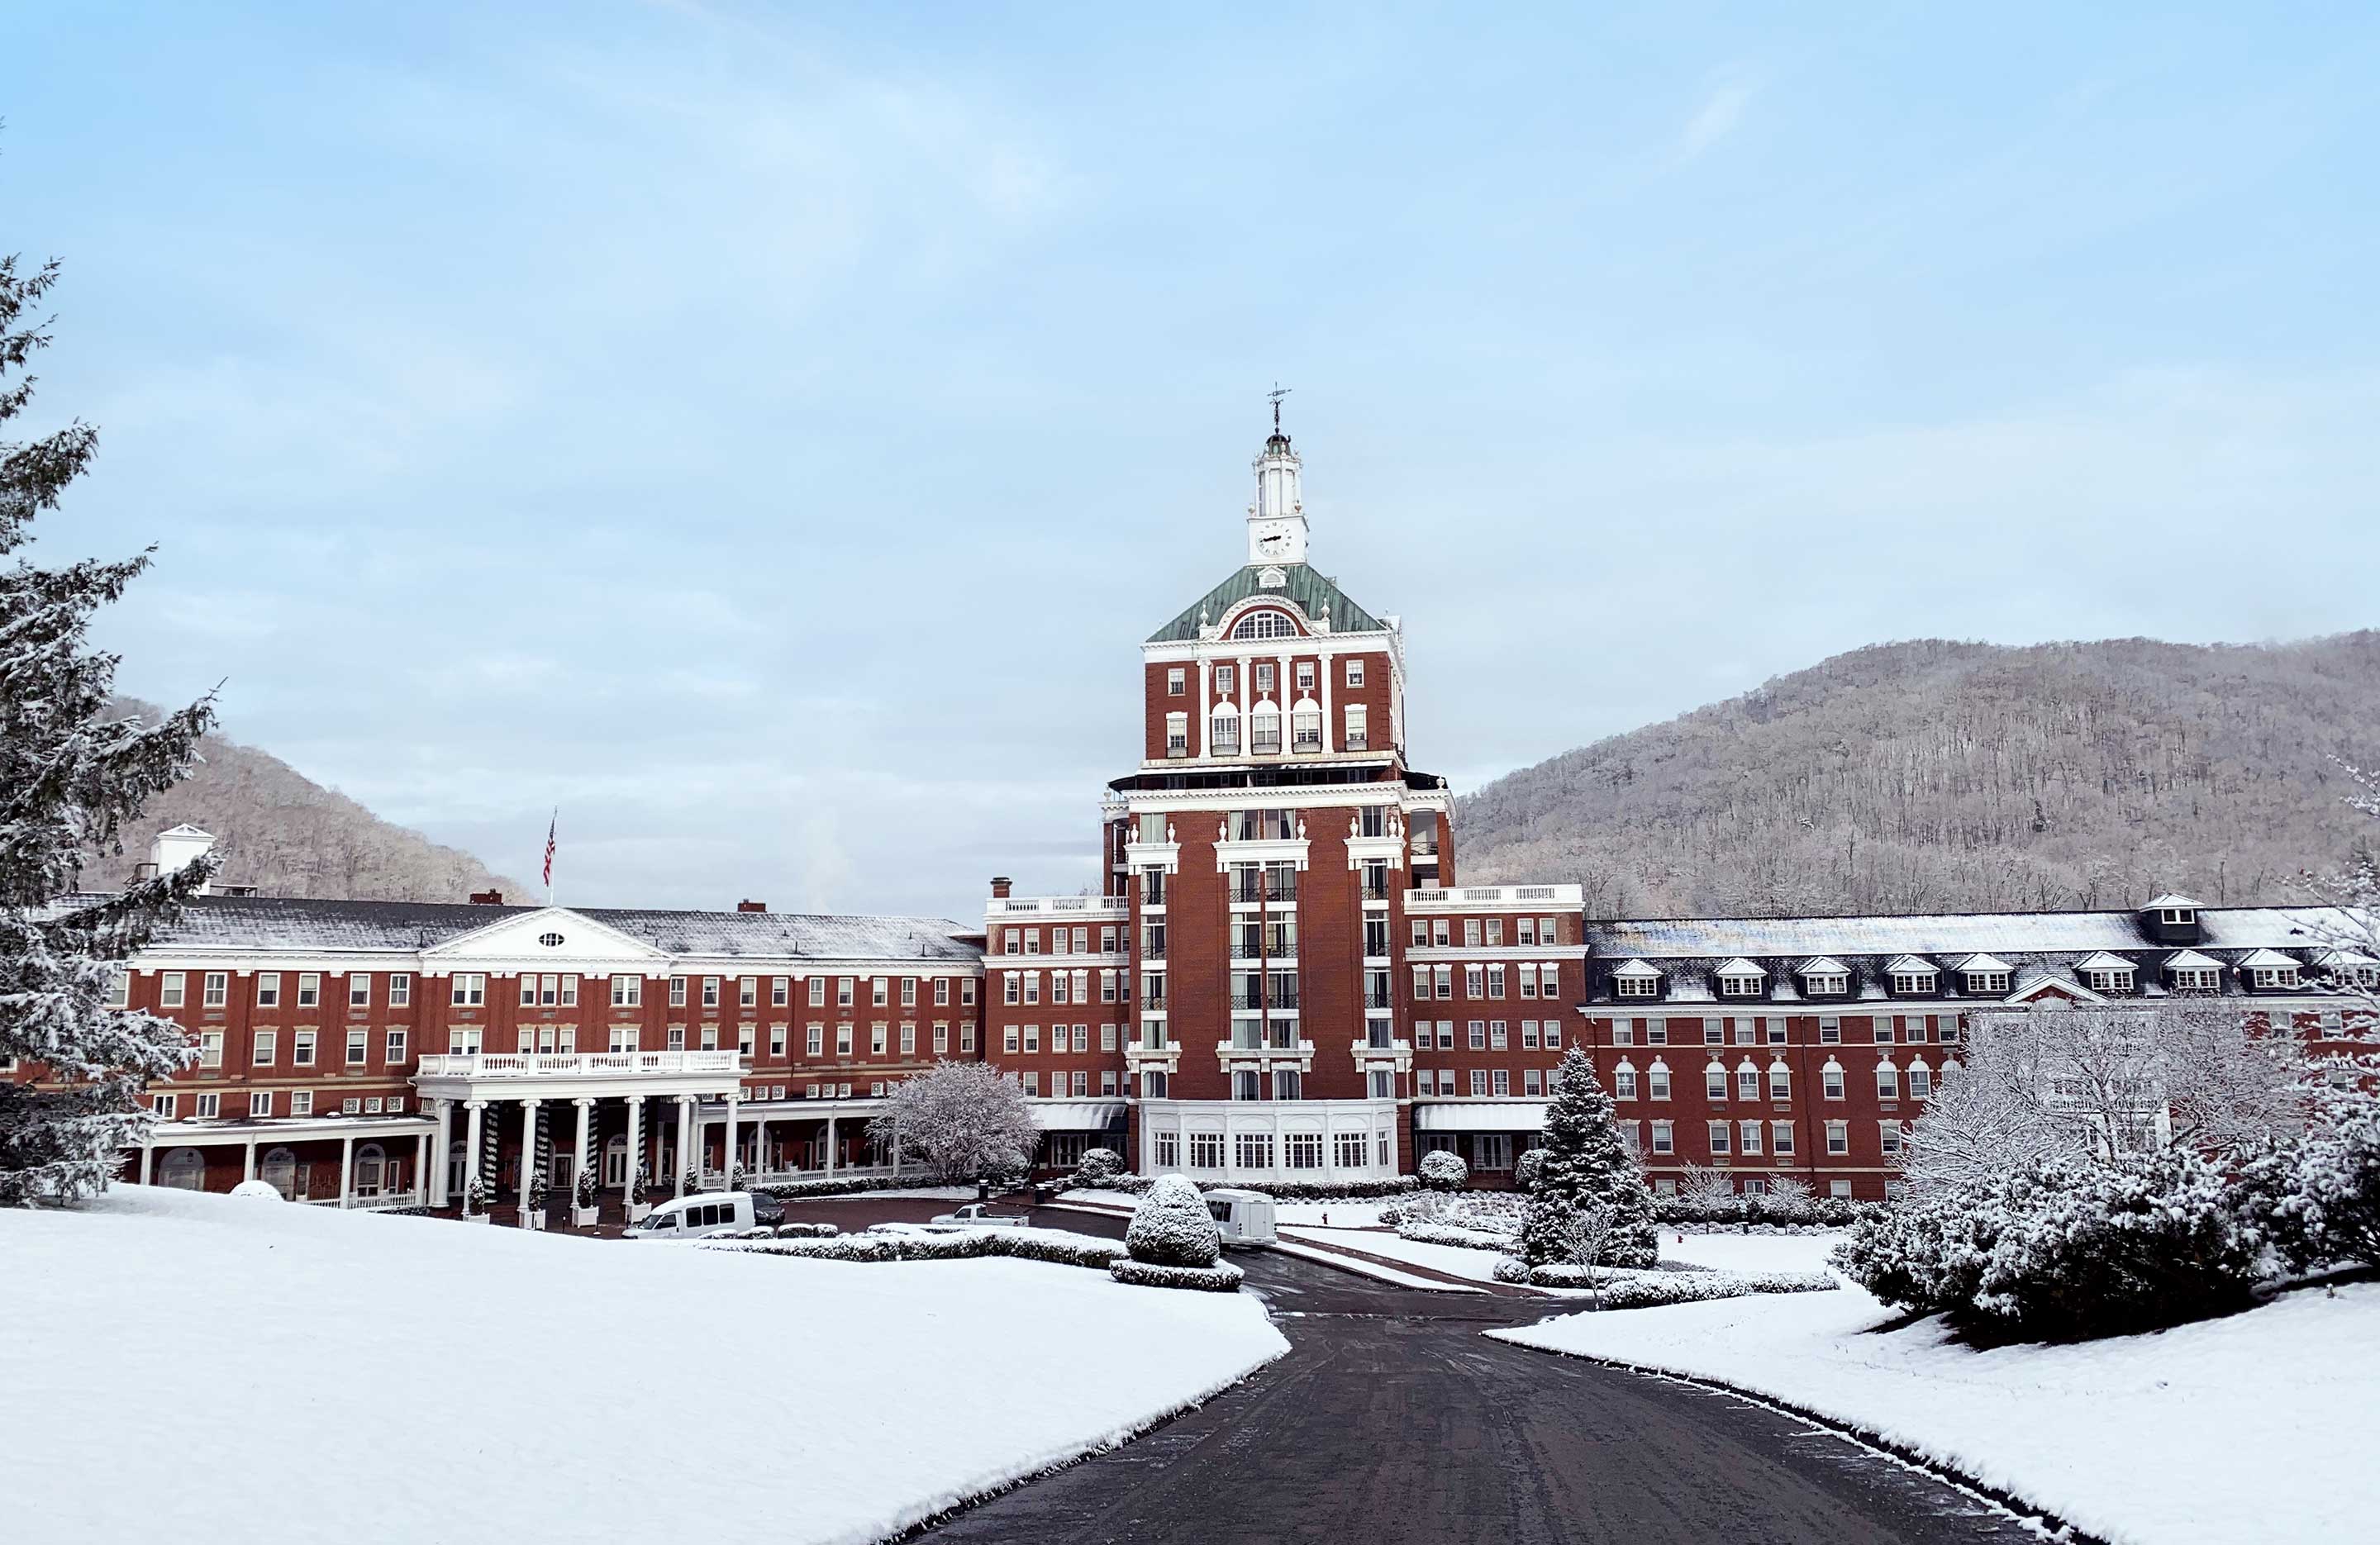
(1753, 1253)
(2256, 1427)
(238, 1370)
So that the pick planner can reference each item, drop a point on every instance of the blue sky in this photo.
(767, 433)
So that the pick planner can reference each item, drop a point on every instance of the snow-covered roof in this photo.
(1634, 968)
(1910, 965)
(1078, 1116)
(1480, 1116)
(2104, 961)
(2270, 958)
(1825, 965)
(1985, 963)
(2191, 959)
(2170, 900)
(1738, 967)
(267, 923)
(1949, 933)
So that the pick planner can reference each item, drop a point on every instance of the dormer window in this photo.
(1912, 977)
(1740, 978)
(1264, 624)
(1825, 978)
(2177, 917)
(1635, 979)
(2106, 973)
(2192, 973)
(2269, 971)
(1986, 975)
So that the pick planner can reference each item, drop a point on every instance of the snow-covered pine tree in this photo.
(69, 776)
(1586, 1164)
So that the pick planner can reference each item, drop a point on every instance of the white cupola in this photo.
(1277, 519)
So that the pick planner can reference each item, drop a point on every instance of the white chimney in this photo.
(178, 848)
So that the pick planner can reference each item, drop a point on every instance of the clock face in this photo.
(1273, 541)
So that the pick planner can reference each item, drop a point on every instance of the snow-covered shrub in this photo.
(1445, 1233)
(794, 1190)
(1527, 1168)
(1444, 1171)
(962, 1120)
(2076, 1245)
(1063, 1250)
(1100, 1166)
(1586, 1168)
(583, 1189)
(257, 1190)
(1622, 1290)
(1172, 1226)
(806, 1231)
(2317, 1200)
(1496, 1211)
(1221, 1277)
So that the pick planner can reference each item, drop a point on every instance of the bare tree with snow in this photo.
(963, 1121)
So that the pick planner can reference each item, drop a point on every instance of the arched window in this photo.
(1780, 1081)
(1624, 1082)
(1223, 731)
(1264, 624)
(1306, 726)
(1714, 1082)
(615, 1160)
(1747, 1080)
(1830, 1080)
(185, 1170)
(457, 1167)
(1658, 1080)
(1921, 1080)
(279, 1170)
(1887, 1082)
(1264, 729)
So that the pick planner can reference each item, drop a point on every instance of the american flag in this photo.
(550, 826)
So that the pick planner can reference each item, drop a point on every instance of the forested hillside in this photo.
(1931, 774)
(289, 835)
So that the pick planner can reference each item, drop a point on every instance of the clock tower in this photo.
(1277, 519)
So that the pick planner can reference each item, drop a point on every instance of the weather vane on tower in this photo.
(1277, 393)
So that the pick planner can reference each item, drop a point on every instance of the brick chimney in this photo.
(487, 897)
(751, 906)
(1000, 887)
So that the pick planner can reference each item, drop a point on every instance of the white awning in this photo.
(1079, 1116)
(1481, 1116)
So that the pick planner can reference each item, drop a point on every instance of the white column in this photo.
(584, 1160)
(896, 1150)
(1206, 706)
(529, 1156)
(421, 1169)
(248, 1171)
(735, 1106)
(346, 1168)
(1322, 669)
(636, 1147)
(148, 1158)
(685, 1135)
(472, 1110)
(830, 1147)
(436, 1180)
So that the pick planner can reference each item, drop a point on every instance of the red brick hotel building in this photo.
(1281, 980)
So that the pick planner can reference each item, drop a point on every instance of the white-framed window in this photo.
(209, 1106)
(1747, 1082)
(1358, 727)
(119, 989)
(310, 988)
(1888, 1137)
(301, 1102)
(1780, 1081)
(1624, 1082)
(1355, 672)
(1739, 986)
(1826, 984)
(468, 989)
(1637, 986)
(1714, 1082)
(301, 1049)
(394, 1049)
(1748, 1138)
(814, 1041)
(1169, 1150)
(1479, 1083)
(358, 1047)
(1665, 1140)
(2108, 979)
(2280, 978)
(1177, 735)
(1657, 1081)
(1838, 1137)
(259, 1103)
(210, 1044)
(268, 989)
(1780, 1137)
(1986, 981)
(1913, 983)
(710, 992)
(263, 1048)
(359, 989)
(172, 987)
(1887, 1082)
(400, 989)
(1921, 1081)
(162, 1106)
(747, 992)
(628, 991)
(1177, 682)
(1830, 1080)
(1831, 1031)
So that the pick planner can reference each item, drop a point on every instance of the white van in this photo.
(1242, 1217)
(697, 1217)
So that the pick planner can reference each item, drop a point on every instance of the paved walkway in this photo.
(1392, 1420)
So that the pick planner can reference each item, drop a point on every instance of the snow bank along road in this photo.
(213, 1369)
(1393, 1420)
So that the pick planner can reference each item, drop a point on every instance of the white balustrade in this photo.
(517, 1065)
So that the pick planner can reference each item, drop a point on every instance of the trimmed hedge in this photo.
(1221, 1277)
(1749, 1213)
(970, 1245)
(793, 1190)
(806, 1231)
(1653, 1289)
(1450, 1234)
(1281, 1190)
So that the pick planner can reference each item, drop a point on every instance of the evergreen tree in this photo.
(70, 777)
(1586, 1165)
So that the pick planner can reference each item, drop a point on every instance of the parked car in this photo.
(767, 1209)
(981, 1216)
(697, 1217)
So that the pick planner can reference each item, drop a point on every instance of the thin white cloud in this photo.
(1717, 117)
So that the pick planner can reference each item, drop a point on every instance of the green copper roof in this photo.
(1303, 587)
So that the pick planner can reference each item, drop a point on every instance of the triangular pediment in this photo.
(553, 938)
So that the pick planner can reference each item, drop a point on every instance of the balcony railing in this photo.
(563, 1065)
